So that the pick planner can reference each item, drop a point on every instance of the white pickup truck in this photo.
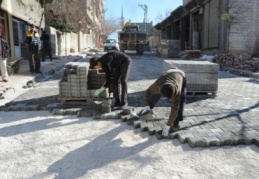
(111, 44)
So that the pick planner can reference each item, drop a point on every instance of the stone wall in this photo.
(61, 43)
(73, 42)
(65, 43)
(68, 41)
(82, 41)
(244, 36)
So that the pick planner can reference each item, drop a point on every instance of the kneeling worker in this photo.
(172, 85)
(116, 66)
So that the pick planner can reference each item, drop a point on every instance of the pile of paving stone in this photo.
(191, 54)
(169, 49)
(202, 76)
(242, 62)
(78, 81)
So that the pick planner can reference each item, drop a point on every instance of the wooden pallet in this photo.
(79, 100)
(202, 94)
(74, 100)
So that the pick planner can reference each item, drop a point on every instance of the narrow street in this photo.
(38, 144)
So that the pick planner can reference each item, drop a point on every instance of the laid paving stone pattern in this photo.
(231, 118)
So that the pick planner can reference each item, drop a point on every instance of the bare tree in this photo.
(161, 16)
(109, 26)
(68, 15)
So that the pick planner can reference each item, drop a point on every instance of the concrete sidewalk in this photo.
(24, 79)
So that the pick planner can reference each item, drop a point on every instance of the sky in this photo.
(132, 11)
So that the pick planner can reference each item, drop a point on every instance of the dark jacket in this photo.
(5, 48)
(175, 77)
(45, 39)
(110, 62)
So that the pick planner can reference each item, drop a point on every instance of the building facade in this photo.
(18, 14)
(86, 18)
(214, 25)
(95, 16)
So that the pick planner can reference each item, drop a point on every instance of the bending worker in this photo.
(116, 66)
(172, 85)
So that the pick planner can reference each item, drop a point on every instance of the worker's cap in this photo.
(167, 90)
(32, 25)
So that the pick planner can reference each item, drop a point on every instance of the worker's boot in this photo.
(117, 103)
(174, 128)
(124, 104)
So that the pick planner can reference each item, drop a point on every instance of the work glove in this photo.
(144, 111)
(99, 91)
(133, 113)
(165, 130)
(146, 114)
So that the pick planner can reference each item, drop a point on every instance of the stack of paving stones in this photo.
(202, 76)
(169, 48)
(91, 109)
(96, 78)
(101, 110)
(80, 82)
(106, 106)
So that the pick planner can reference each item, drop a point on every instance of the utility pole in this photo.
(122, 18)
(144, 7)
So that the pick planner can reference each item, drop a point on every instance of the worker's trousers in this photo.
(34, 59)
(3, 68)
(182, 102)
(120, 80)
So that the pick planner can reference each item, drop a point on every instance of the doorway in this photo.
(19, 29)
(59, 43)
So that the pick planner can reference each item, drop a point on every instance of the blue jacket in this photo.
(28, 40)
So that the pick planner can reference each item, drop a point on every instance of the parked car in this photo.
(111, 44)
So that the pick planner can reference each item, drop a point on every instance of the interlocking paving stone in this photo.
(183, 138)
(152, 130)
(231, 118)
(137, 124)
(131, 120)
(172, 136)
(145, 126)
(197, 142)
(256, 141)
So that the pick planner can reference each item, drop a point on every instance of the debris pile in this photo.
(242, 62)
(190, 54)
